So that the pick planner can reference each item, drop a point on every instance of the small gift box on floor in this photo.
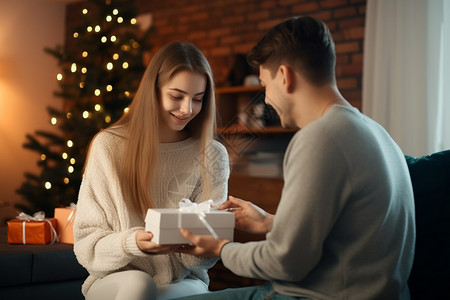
(36, 229)
(64, 223)
(165, 223)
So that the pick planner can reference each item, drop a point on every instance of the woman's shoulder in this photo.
(107, 139)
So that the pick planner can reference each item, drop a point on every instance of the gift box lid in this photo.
(174, 218)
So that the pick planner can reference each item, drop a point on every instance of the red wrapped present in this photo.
(64, 223)
(36, 229)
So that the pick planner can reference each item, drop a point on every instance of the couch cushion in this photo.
(430, 176)
(37, 263)
(16, 267)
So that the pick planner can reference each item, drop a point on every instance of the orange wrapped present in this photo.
(36, 229)
(64, 223)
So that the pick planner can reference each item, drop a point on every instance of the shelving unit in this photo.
(255, 150)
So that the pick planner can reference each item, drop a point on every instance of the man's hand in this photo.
(145, 244)
(249, 217)
(202, 245)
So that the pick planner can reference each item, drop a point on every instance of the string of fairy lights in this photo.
(109, 66)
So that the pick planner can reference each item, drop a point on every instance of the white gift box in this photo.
(165, 224)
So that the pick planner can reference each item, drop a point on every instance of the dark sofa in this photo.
(52, 271)
(39, 271)
(430, 176)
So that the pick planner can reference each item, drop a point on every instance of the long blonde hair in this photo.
(142, 122)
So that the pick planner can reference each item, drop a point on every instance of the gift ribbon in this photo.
(70, 219)
(39, 216)
(187, 205)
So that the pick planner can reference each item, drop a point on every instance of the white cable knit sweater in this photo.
(105, 230)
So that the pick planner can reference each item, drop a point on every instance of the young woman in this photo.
(161, 151)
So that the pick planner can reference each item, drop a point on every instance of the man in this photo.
(344, 227)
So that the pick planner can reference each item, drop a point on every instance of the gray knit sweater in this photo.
(105, 230)
(344, 228)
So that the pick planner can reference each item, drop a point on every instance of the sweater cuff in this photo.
(130, 245)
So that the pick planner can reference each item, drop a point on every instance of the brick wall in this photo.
(223, 28)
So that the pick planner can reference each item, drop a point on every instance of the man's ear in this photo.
(288, 78)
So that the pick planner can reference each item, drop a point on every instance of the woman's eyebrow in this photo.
(184, 92)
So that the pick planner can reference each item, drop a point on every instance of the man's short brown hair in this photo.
(303, 43)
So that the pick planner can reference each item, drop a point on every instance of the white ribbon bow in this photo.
(38, 216)
(187, 205)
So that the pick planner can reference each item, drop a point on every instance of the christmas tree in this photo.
(102, 64)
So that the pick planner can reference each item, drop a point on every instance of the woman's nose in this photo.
(186, 107)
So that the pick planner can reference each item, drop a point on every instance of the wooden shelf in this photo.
(242, 129)
(238, 89)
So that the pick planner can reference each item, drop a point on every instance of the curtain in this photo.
(406, 72)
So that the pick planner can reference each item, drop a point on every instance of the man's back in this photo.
(348, 184)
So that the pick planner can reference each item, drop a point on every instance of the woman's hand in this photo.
(249, 217)
(145, 244)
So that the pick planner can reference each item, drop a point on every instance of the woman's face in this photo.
(181, 99)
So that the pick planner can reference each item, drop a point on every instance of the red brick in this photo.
(353, 22)
(221, 51)
(260, 15)
(232, 20)
(230, 40)
(281, 12)
(243, 48)
(268, 24)
(333, 3)
(349, 47)
(347, 83)
(305, 8)
(245, 8)
(345, 12)
(219, 32)
(165, 30)
(350, 69)
(357, 58)
(342, 59)
(205, 44)
(324, 15)
(196, 35)
(245, 28)
(199, 16)
(353, 33)
(289, 2)
(362, 10)
(267, 4)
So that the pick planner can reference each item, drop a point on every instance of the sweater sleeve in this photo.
(219, 170)
(304, 217)
(102, 243)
